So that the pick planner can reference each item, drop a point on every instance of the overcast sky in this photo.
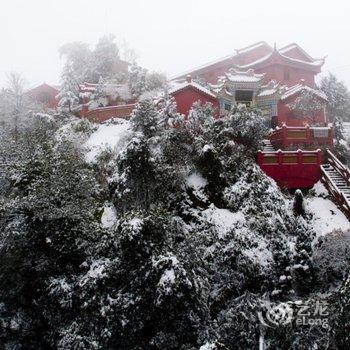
(169, 36)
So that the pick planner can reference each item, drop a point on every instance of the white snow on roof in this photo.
(292, 46)
(252, 47)
(262, 59)
(267, 92)
(238, 51)
(315, 63)
(244, 76)
(271, 88)
(186, 84)
(288, 48)
(300, 87)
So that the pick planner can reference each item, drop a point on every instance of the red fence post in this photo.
(300, 157)
(308, 134)
(319, 157)
(284, 136)
(279, 157)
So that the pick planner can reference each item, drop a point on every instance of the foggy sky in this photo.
(169, 36)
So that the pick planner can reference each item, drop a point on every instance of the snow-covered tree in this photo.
(106, 60)
(338, 96)
(248, 126)
(68, 97)
(307, 104)
(98, 97)
(79, 60)
(145, 118)
(141, 81)
(199, 117)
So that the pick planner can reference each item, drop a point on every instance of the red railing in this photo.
(286, 136)
(290, 157)
(292, 169)
(338, 195)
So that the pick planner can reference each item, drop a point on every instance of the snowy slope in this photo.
(107, 136)
(327, 217)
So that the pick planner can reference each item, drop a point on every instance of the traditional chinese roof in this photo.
(248, 76)
(259, 54)
(190, 84)
(238, 79)
(296, 89)
(271, 89)
(276, 56)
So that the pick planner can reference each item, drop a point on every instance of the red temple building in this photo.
(189, 92)
(276, 81)
(45, 94)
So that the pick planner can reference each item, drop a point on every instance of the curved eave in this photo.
(192, 87)
(277, 58)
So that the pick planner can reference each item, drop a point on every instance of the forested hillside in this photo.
(156, 234)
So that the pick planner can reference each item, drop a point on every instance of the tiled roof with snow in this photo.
(300, 87)
(267, 92)
(254, 46)
(271, 89)
(292, 46)
(184, 85)
(238, 51)
(315, 63)
(311, 61)
(244, 76)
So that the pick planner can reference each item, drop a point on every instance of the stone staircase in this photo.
(336, 178)
(268, 146)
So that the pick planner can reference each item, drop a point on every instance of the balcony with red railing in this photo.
(292, 169)
(306, 137)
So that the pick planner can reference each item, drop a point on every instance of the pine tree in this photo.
(338, 96)
(106, 60)
(145, 118)
(69, 93)
(99, 97)
(298, 204)
(302, 268)
(307, 104)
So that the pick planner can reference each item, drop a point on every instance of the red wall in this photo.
(186, 97)
(293, 175)
(105, 113)
(276, 72)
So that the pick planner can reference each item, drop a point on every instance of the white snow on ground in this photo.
(223, 219)
(107, 136)
(109, 216)
(327, 217)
